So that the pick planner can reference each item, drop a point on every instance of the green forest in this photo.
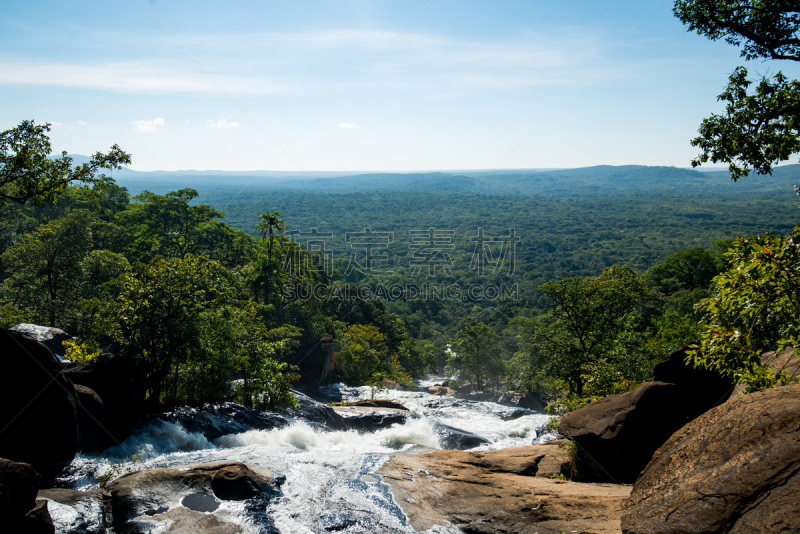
(229, 292)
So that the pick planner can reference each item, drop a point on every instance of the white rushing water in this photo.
(330, 482)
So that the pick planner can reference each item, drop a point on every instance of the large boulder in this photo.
(119, 384)
(735, 469)
(617, 435)
(185, 499)
(19, 509)
(50, 337)
(38, 408)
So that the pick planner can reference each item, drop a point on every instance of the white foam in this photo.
(301, 436)
(158, 439)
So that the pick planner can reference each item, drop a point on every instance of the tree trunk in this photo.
(175, 385)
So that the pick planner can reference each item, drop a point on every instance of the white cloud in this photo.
(83, 123)
(222, 123)
(349, 125)
(148, 126)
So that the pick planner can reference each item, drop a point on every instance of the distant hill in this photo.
(587, 181)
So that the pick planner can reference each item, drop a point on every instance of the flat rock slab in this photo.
(508, 490)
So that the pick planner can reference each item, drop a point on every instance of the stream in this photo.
(331, 484)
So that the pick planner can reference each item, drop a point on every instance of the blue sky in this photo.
(355, 85)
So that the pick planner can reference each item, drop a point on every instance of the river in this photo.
(330, 476)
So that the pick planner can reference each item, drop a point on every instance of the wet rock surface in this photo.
(735, 469)
(216, 420)
(192, 498)
(506, 490)
(457, 439)
(78, 512)
(370, 419)
(317, 412)
(50, 337)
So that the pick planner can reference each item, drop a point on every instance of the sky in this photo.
(364, 85)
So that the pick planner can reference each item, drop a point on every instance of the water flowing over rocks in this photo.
(619, 433)
(735, 469)
(193, 498)
(507, 490)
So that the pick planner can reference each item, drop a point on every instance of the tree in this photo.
(47, 267)
(759, 128)
(587, 325)
(162, 310)
(28, 173)
(362, 349)
(475, 354)
(269, 223)
(754, 307)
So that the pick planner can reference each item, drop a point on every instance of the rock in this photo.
(618, 434)
(705, 386)
(50, 337)
(455, 438)
(90, 417)
(391, 384)
(441, 391)
(188, 496)
(118, 383)
(378, 403)
(38, 410)
(480, 396)
(734, 469)
(366, 419)
(19, 509)
(314, 411)
(509, 398)
(78, 512)
(507, 490)
(217, 420)
(235, 483)
(37, 520)
(533, 401)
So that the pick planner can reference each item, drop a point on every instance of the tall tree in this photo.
(761, 127)
(28, 173)
(47, 267)
(586, 323)
(475, 354)
(268, 224)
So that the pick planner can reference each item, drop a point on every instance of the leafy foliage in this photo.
(27, 173)
(754, 307)
(475, 355)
